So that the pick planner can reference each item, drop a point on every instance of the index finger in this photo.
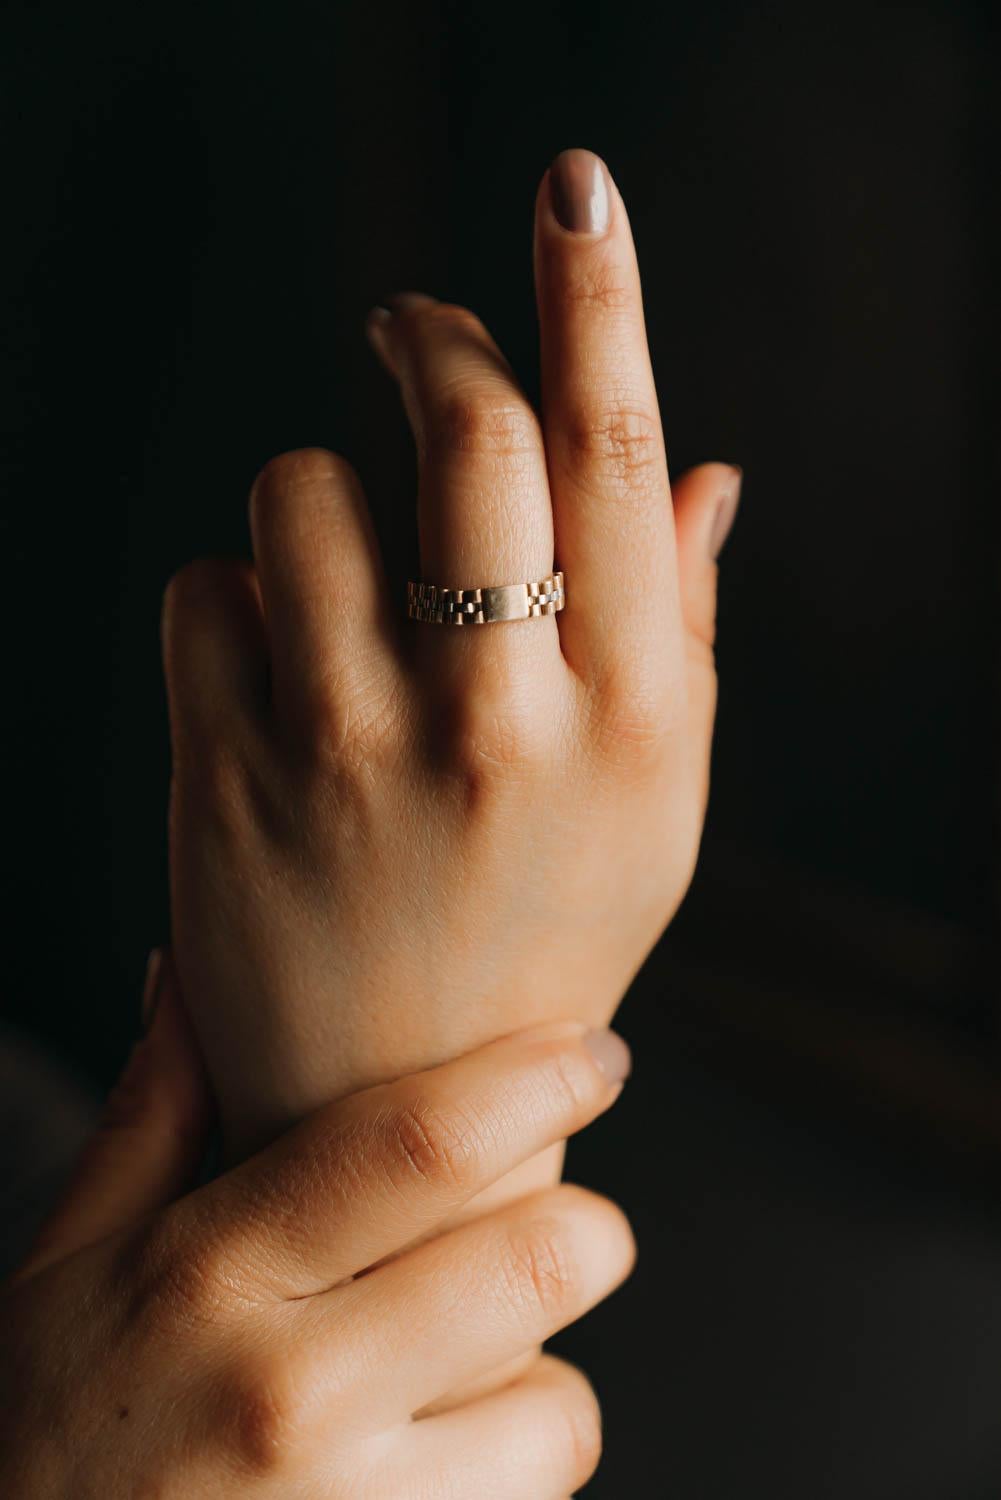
(604, 442)
(362, 1178)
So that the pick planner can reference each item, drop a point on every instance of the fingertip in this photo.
(705, 500)
(610, 1053)
(378, 325)
(714, 473)
(377, 319)
(621, 1238)
(602, 1235)
(726, 513)
(579, 193)
(404, 302)
(583, 1069)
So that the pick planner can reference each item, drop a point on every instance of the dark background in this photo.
(202, 203)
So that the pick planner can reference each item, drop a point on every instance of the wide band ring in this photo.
(485, 606)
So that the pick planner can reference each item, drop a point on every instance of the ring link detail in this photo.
(485, 606)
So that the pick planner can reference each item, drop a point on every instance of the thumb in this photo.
(705, 505)
(151, 1135)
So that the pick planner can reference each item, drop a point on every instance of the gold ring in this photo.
(485, 606)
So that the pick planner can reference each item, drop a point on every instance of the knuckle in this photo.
(567, 1081)
(179, 1285)
(484, 420)
(489, 737)
(598, 286)
(537, 1270)
(434, 1144)
(265, 1416)
(634, 721)
(621, 441)
(353, 731)
(489, 742)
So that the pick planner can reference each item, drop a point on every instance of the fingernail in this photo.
(578, 191)
(610, 1053)
(376, 327)
(151, 987)
(726, 513)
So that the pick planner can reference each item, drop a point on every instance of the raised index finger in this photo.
(364, 1177)
(604, 442)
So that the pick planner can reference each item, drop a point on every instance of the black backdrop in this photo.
(203, 201)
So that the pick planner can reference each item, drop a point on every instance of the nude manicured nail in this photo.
(151, 987)
(726, 512)
(578, 190)
(610, 1053)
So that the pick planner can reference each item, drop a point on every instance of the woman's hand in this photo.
(391, 840)
(228, 1344)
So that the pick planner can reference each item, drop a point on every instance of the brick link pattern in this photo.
(547, 597)
(485, 606)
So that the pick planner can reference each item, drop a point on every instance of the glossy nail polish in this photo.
(579, 192)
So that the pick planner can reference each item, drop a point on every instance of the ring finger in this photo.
(484, 513)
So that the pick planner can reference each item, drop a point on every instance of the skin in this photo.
(393, 841)
(390, 845)
(280, 1332)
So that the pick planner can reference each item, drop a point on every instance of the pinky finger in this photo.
(539, 1437)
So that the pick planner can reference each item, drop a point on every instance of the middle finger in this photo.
(607, 462)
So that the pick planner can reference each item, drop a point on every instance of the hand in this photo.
(392, 841)
(227, 1344)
